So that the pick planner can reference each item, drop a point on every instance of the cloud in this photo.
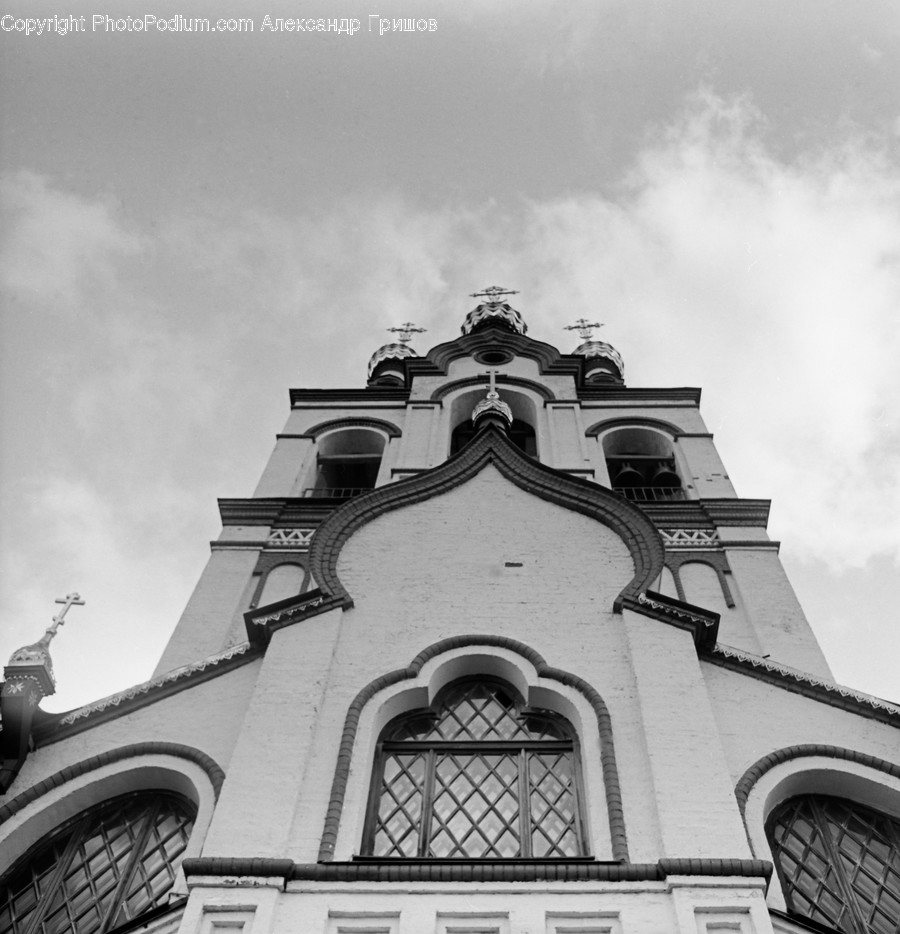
(58, 244)
(774, 285)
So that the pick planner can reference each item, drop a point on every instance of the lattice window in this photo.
(839, 863)
(104, 868)
(476, 777)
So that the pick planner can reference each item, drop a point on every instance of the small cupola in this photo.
(27, 680)
(602, 362)
(494, 311)
(386, 364)
(492, 410)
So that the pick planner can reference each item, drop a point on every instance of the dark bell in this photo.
(628, 476)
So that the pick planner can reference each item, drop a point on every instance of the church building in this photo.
(493, 648)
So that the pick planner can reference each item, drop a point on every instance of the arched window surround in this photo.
(525, 404)
(89, 786)
(660, 434)
(832, 771)
(529, 763)
(328, 436)
(343, 837)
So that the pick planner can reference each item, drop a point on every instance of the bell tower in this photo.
(494, 647)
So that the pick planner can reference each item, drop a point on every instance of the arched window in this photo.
(108, 865)
(477, 776)
(838, 862)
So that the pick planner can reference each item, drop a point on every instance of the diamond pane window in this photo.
(102, 869)
(475, 777)
(839, 863)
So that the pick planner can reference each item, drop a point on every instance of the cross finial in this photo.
(69, 600)
(493, 292)
(584, 328)
(405, 331)
(492, 387)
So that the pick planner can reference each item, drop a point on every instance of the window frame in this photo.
(76, 836)
(823, 821)
(385, 748)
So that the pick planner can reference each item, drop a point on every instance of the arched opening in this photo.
(521, 433)
(105, 867)
(282, 581)
(347, 463)
(641, 465)
(838, 862)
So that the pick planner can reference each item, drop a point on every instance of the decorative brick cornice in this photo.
(683, 395)
(135, 750)
(805, 750)
(344, 396)
(709, 513)
(277, 510)
(691, 538)
(492, 446)
(477, 870)
(800, 682)
(351, 724)
(55, 726)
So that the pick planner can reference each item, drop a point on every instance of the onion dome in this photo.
(602, 362)
(500, 313)
(492, 410)
(494, 312)
(384, 364)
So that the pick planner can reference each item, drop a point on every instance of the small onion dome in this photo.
(492, 410)
(602, 361)
(385, 364)
(501, 313)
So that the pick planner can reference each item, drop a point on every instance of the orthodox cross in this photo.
(70, 599)
(492, 388)
(584, 328)
(406, 331)
(493, 292)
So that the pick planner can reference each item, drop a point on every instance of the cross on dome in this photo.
(493, 292)
(405, 331)
(584, 327)
(69, 600)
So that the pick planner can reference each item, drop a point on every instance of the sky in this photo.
(194, 222)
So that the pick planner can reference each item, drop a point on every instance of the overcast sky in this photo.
(192, 223)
